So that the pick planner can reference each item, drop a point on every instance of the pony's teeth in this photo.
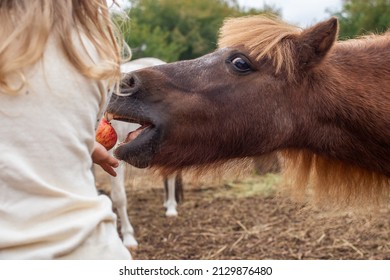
(108, 116)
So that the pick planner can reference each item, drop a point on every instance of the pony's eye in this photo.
(241, 65)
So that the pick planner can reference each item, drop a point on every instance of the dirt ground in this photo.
(246, 217)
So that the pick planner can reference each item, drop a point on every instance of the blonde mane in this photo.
(333, 183)
(27, 24)
(263, 37)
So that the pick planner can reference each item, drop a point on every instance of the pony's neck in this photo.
(350, 103)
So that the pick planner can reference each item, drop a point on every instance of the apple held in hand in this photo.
(106, 134)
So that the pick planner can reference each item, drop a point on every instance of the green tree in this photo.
(358, 17)
(178, 29)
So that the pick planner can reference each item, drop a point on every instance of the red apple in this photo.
(106, 134)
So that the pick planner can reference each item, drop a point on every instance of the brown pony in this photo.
(324, 105)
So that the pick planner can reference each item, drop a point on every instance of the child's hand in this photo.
(101, 156)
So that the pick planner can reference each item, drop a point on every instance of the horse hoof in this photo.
(130, 242)
(171, 213)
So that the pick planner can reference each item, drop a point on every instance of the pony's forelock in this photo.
(263, 37)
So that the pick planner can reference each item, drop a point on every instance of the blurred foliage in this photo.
(184, 29)
(359, 17)
(178, 29)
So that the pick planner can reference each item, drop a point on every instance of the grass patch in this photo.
(253, 185)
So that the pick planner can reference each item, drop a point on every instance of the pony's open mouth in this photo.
(134, 134)
(139, 146)
(144, 126)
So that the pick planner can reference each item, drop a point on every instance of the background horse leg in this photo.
(173, 193)
(119, 201)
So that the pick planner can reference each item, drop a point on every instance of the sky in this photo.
(298, 12)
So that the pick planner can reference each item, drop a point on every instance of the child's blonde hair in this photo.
(27, 24)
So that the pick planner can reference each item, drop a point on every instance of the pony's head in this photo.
(241, 100)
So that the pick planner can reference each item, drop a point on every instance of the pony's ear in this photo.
(315, 42)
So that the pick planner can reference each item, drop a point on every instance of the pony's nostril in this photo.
(129, 84)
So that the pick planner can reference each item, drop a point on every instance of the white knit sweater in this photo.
(49, 205)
